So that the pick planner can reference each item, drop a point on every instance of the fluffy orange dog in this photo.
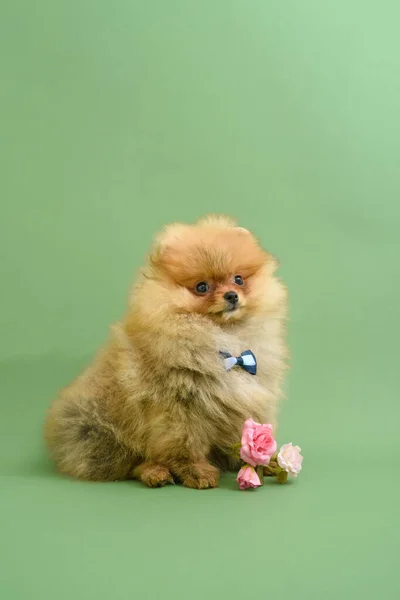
(158, 403)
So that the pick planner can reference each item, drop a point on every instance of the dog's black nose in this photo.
(231, 297)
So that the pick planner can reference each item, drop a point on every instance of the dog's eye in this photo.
(202, 287)
(238, 279)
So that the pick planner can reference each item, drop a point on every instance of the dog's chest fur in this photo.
(245, 395)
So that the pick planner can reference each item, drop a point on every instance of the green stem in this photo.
(282, 476)
(270, 470)
(260, 473)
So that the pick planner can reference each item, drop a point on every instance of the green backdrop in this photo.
(118, 117)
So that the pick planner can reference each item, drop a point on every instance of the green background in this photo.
(118, 117)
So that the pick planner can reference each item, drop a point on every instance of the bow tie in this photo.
(246, 360)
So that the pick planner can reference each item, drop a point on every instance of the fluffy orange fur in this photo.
(157, 403)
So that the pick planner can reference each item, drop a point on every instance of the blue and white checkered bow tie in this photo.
(246, 360)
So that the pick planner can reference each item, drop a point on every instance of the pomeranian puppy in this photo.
(161, 402)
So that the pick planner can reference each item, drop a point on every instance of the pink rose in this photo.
(258, 443)
(248, 478)
(290, 459)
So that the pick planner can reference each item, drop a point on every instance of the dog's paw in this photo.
(153, 475)
(201, 477)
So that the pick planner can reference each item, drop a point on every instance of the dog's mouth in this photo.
(231, 308)
(228, 310)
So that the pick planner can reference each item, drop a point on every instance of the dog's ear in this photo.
(222, 221)
(170, 235)
(218, 221)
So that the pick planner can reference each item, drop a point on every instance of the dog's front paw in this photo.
(153, 475)
(201, 477)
